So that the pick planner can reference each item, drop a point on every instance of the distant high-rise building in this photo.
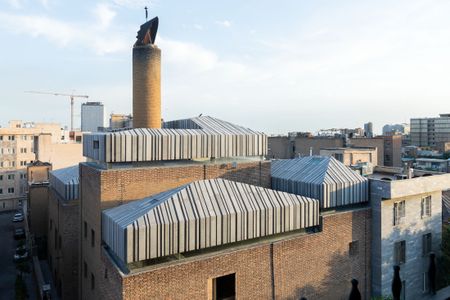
(91, 116)
(430, 131)
(368, 129)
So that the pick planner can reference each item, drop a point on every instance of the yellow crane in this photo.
(71, 97)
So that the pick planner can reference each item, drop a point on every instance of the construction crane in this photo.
(72, 100)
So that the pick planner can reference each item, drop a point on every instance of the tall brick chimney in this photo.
(147, 78)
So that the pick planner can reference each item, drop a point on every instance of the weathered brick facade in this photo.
(315, 266)
(63, 244)
(101, 189)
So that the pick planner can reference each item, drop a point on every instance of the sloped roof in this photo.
(66, 182)
(314, 169)
(446, 205)
(202, 214)
(320, 177)
(199, 137)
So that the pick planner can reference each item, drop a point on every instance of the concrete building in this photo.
(37, 205)
(427, 132)
(282, 147)
(443, 147)
(63, 225)
(406, 228)
(341, 132)
(60, 155)
(368, 130)
(16, 152)
(118, 121)
(433, 164)
(352, 156)
(392, 150)
(92, 116)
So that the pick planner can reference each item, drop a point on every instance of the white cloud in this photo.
(198, 26)
(15, 3)
(224, 23)
(194, 56)
(135, 3)
(104, 14)
(65, 34)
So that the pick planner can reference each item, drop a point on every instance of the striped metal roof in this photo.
(200, 137)
(320, 177)
(202, 214)
(66, 182)
(446, 205)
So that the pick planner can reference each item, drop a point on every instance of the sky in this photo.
(272, 66)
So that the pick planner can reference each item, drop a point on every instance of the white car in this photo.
(18, 217)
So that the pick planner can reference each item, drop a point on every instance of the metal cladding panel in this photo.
(66, 182)
(200, 137)
(320, 177)
(200, 215)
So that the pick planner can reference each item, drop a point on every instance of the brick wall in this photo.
(101, 189)
(65, 220)
(316, 266)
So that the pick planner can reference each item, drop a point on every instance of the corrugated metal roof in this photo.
(203, 214)
(66, 181)
(320, 177)
(199, 137)
(446, 205)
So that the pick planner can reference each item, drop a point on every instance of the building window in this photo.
(400, 252)
(96, 144)
(10, 138)
(85, 270)
(1, 137)
(10, 190)
(11, 177)
(92, 281)
(92, 237)
(1, 192)
(106, 273)
(85, 229)
(1, 177)
(353, 248)
(399, 212)
(224, 287)
(426, 207)
(426, 244)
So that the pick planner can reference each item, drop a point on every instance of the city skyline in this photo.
(311, 64)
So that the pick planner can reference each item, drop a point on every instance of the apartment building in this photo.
(17, 151)
(428, 132)
(406, 228)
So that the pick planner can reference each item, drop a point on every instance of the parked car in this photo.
(19, 233)
(21, 255)
(18, 217)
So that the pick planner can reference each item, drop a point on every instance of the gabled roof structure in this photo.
(199, 137)
(320, 177)
(200, 215)
(66, 182)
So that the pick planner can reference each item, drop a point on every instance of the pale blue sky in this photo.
(272, 66)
